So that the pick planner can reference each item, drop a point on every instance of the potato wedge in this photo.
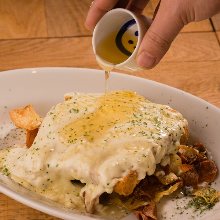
(26, 118)
(126, 186)
(30, 136)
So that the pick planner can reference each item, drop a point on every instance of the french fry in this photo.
(28, 119)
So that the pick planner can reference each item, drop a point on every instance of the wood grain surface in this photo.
(201, 79)
(194, 47)
(22, 19)
(66, 18)
(216, 22)
(38, 33)
(218, 35)
(12, 210)
(77, 51)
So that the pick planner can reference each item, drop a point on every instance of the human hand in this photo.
(171, 16)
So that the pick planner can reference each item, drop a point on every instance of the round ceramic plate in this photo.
(44, 87)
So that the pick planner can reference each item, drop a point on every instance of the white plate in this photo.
(44, 87)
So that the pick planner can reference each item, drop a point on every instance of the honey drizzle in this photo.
(113, 108)
(107, 75)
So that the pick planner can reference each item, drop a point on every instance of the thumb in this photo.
(157, 40)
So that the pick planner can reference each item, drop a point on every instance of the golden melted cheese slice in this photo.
(97, 139)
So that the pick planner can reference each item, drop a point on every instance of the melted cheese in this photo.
(97, 139)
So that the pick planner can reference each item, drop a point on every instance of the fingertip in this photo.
(88, 26)
(96, 11)
(146, 60)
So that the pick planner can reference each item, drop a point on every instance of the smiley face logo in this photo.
(127, 37)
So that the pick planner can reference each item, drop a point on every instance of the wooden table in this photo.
(39, 33)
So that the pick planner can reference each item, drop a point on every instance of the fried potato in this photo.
(148, 212)
(172, 189)
(30, 136)
(189, 175)
(26, 118)
(175, 164)
(207, 171)
(167, 179)
(188, 154)
(126, 186)
(185, 136)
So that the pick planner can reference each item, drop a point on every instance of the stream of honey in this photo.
(107, 75)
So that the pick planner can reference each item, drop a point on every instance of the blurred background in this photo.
(39, 33)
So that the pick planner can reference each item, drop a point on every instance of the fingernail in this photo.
(146, 60)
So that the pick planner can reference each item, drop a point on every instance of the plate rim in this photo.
(47, 208)
(117, 74)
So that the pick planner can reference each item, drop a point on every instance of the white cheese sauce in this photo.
(97, 139)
